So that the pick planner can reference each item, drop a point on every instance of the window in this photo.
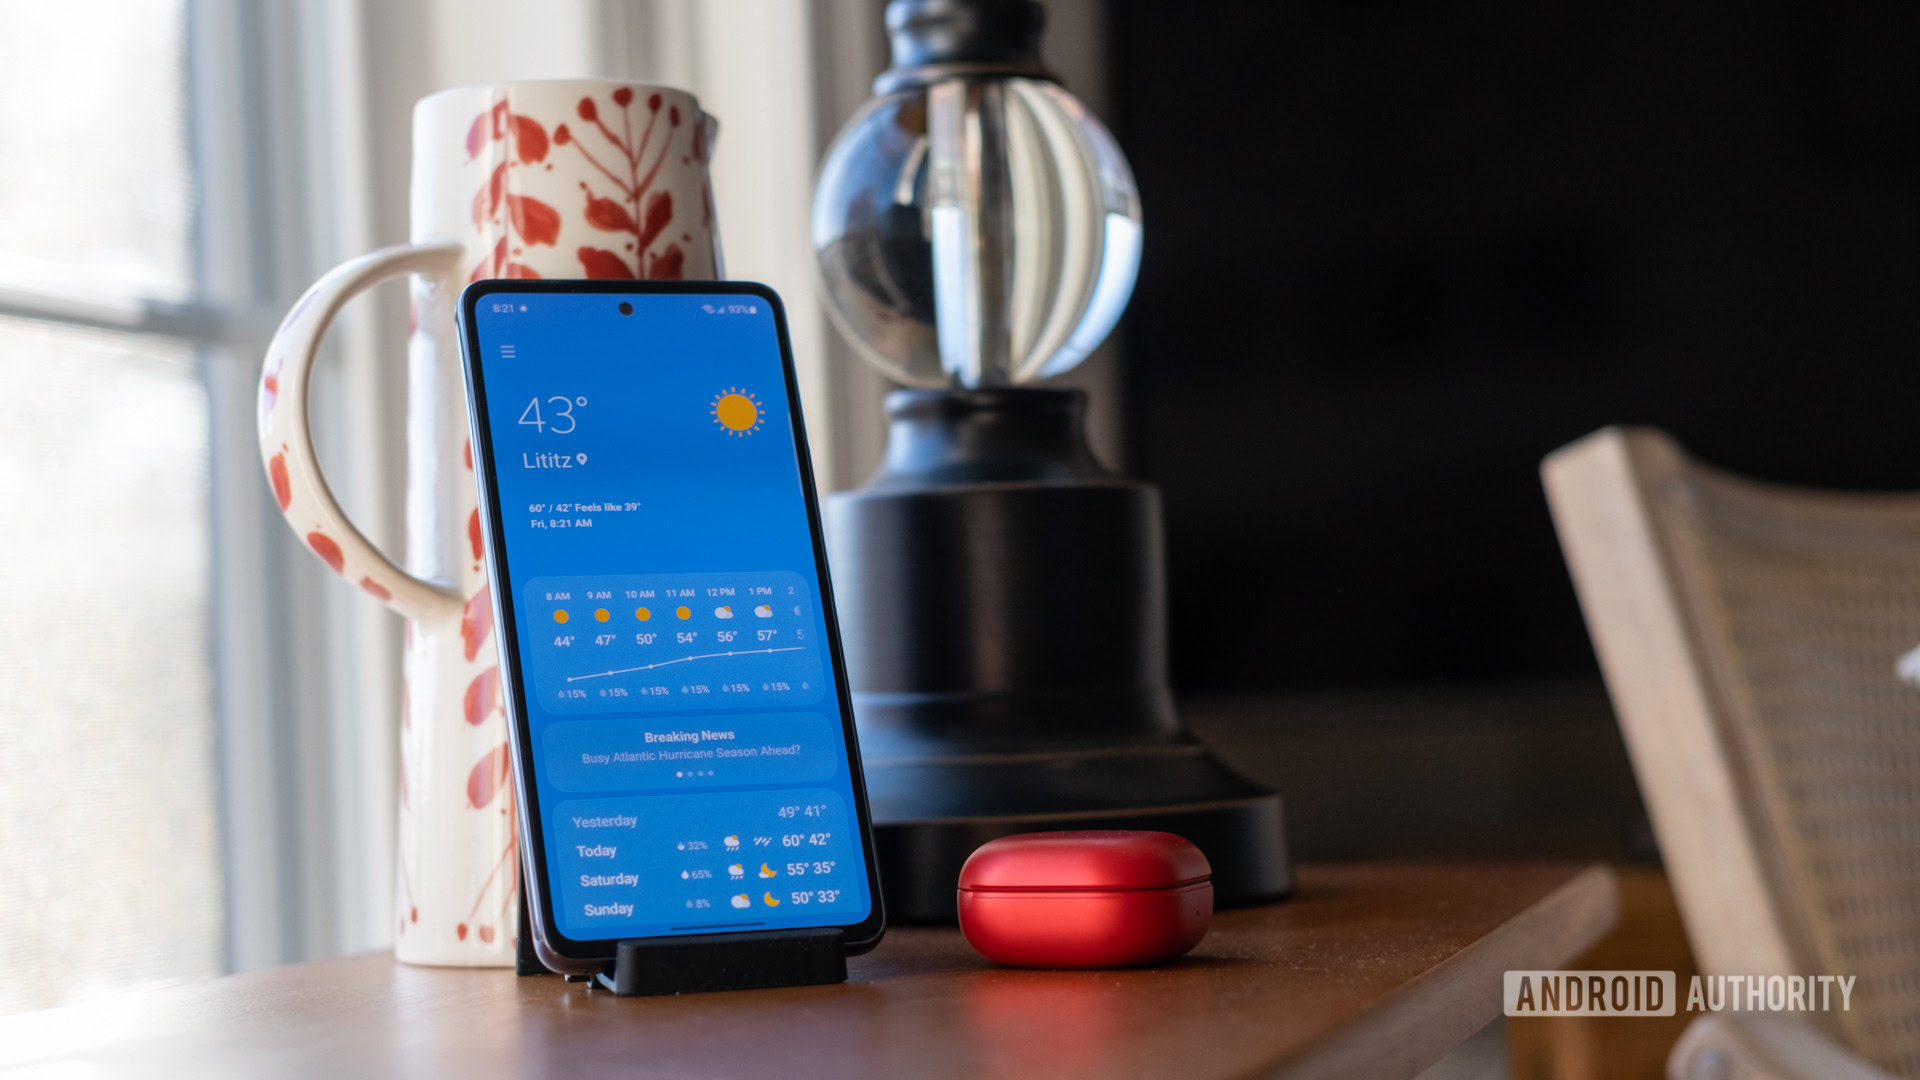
(108, 806)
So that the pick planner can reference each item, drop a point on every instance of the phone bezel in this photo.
(576, 955)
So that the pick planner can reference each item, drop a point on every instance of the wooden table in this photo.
(1372, 971)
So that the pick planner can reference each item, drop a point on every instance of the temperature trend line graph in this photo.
(682, 660)
(628, 643)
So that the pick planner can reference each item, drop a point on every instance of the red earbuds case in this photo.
(1091, 899)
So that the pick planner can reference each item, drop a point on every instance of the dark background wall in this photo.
(1396, 252)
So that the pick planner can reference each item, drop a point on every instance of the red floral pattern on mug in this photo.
(527, 219)
(639, 211)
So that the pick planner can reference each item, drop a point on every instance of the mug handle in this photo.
(286, 439)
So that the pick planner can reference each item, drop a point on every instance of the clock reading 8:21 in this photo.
(559, 418)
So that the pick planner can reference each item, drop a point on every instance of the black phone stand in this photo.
(693, 964)
(750, 961)
(525, 960)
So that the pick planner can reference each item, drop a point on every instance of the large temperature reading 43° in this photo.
(558, 417)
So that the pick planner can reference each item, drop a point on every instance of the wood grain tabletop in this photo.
(1373, 970)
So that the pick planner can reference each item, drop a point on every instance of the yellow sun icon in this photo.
(738, 411)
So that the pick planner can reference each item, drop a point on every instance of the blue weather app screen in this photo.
(689, 758)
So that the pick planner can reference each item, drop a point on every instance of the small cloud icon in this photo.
(741, 900)
(770, 901)
(767, 871)
(763, 611)
(736, 871)
(732, 842)
(723, 612)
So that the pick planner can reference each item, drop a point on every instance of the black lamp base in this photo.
(1243, 837)
(1003, 606)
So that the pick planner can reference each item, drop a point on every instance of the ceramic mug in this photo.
(562, 179)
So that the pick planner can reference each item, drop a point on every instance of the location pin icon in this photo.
(581, 458)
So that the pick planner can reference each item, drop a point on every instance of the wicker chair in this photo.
(1749, 635)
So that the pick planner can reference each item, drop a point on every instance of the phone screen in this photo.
(675, 679)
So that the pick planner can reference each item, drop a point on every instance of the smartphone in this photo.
(677, 705)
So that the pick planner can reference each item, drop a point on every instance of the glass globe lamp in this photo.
(1002, 595)
(976, 232)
